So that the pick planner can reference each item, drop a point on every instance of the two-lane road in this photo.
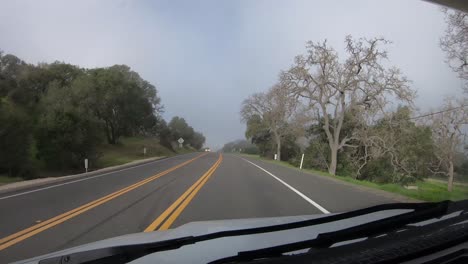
(164, 194)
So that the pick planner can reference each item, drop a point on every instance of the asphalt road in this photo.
(164, 194)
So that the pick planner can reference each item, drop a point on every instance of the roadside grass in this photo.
(427, 190)
(126, 150)
(4, 179)
(131, 149)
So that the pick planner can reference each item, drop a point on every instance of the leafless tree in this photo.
(455, 42)
(333, 88)
(277, 109)
(448, 136)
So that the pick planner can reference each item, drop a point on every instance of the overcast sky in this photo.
(205, 57)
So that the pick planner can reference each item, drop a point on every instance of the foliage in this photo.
(124, 102)
(53, 115)
(448, 134)
(66, 132)
(242, 146)
(16, 151)
(180, 129)
(427, 190)
(333, 88)
(275, 113)
(455, 42)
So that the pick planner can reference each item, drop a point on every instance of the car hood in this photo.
(206, 251)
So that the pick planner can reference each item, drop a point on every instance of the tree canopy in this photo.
(54, 115)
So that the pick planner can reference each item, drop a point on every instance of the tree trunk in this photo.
(450, 177)
(278, 149)
(110, 133)
(113, 134)
(333, 159)
(278, 144)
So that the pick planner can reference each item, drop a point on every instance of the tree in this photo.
(240, 145)
(197, 140)
(448, 136)
(15, 143)
(35, 80)
(57, 112)
(67, 131)
(11, 70)
(455, 42)
(180, 129)
(127, 104)
(333, 88)
(392, 149)
(276, 109)
(259, 134)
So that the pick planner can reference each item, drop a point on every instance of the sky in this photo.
(205, 57)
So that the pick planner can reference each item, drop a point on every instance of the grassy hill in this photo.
(127, 150)
(130, 149)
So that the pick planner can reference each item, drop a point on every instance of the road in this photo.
(164, 194)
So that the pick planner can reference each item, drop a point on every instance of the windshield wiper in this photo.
(126, 253)
(388, 226)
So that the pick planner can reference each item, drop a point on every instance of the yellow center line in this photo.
(183, 201)
(35, 229)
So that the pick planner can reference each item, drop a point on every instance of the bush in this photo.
(16, 143)
(65, 139)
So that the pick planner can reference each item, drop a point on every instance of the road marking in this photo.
(85, 179)
(35, 229)
(176, 208)
(318, 206)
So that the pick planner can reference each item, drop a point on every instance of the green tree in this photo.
(240, 145)
(396, 142)
(127, 104)
(35, 80)
(11, 69)
(259, 134)
(15, 143)
(180, 129)
(197, 140)
(67, 131)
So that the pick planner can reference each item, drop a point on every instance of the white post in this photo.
(276, 156)
(302, 161)
(144, 151)
(86, 164)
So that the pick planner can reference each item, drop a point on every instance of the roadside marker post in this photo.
(86, 164)
(276, 156)
(144, 151)
(302, 161)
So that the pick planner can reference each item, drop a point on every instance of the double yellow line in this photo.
(35, 229)
(165, 220)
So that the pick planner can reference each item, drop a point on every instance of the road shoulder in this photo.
(382, 193)
(27, 184)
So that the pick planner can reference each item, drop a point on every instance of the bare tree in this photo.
(276, 108)
(455, 42)
(448, 135)
(333, 88)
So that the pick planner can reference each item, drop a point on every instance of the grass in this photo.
(127, 150)
(427, 190)
(5, 179)
(131, 149)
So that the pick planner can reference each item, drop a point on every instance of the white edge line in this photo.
(87, 178)
(318, 206)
